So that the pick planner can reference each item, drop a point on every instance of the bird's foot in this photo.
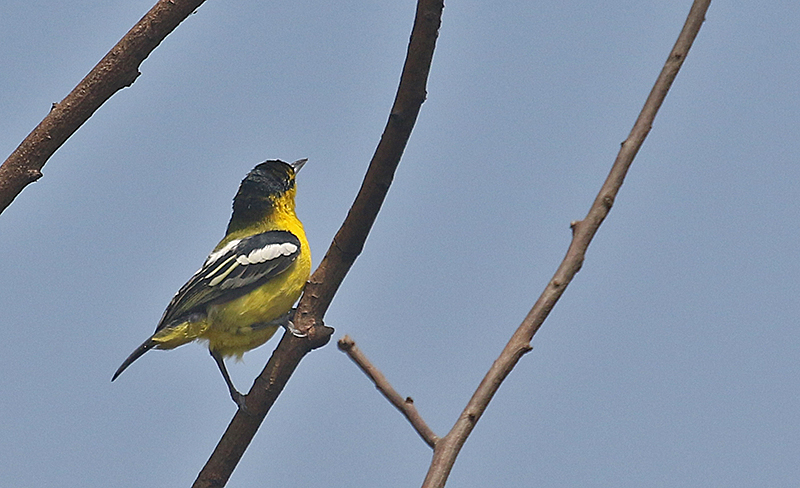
(289, 325)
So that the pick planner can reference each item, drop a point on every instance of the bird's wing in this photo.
(232, 271)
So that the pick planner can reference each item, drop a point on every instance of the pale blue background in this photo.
(672, 359)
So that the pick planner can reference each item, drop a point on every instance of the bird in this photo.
(248, 284)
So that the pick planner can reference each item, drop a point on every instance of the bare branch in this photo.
(583, 231)
(118, 69)
(342, 253)
(411, 93)
(405, 405)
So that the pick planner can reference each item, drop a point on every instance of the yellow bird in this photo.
(246, 288)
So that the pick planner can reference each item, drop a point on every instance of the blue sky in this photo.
(671, 360)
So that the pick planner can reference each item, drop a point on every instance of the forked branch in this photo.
(448, 447)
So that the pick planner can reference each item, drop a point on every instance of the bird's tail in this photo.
(146, 346)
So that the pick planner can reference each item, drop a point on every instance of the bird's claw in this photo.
(289, 325)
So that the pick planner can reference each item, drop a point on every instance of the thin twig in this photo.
(341, 255)
(448, 447)
(405, 405)
(118, 69)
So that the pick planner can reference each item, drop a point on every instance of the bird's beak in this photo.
(298, 164)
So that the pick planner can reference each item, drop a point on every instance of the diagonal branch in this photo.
(411, 93)
(405, 405)
(583, 231)
(118, 69)
(341, 255)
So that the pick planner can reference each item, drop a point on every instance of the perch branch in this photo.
(341, 255)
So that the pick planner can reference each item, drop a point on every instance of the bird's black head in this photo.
(259, 191)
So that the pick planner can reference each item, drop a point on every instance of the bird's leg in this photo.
(237, 397)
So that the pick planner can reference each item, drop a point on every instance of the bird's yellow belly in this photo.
(234, 327)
